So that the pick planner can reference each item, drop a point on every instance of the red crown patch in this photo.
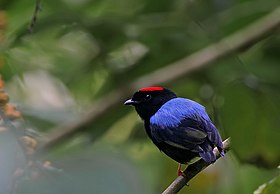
(155, 88)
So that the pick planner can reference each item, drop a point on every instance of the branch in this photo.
(35, 15)
(230, 45)
(192, 170)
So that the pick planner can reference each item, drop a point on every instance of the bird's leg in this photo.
(179, 171)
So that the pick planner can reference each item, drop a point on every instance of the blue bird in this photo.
(179, 127)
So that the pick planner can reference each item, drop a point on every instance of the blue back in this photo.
(184, 124)
(175, 110)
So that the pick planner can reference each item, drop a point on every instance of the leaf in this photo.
(271, 187)
(250, 117)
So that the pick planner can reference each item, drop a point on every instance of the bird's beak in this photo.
(131, 102)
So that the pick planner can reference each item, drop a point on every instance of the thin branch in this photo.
(38, 8)
(192, 170)
(230, 45)
(238, 42)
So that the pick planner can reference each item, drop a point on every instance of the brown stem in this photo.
(192, 170)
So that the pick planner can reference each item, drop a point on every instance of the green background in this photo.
(81, 50)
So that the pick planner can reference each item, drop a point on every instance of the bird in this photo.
(179, 127)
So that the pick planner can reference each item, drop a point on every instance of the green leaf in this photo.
(250, 118)
(271, 187)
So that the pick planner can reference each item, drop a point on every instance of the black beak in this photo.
(131, 102)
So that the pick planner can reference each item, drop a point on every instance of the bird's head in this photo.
(148, 100)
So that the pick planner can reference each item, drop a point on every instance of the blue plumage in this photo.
(179, 127)
(184, 124)
(175, 110)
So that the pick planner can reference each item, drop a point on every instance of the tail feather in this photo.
(208, 156)
(215, 137)
(221, 150)
(207, 153)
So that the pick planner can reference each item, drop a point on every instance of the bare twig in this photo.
(230, 45)
(192, 170)
(35, 15)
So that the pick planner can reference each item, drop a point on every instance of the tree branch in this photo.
(232, 44)
(192, 170)
(35, 15)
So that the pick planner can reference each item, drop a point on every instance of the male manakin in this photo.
(179, 127)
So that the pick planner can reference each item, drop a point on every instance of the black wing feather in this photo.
(190, 134)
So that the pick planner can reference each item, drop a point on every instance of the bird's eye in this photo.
(147, 97)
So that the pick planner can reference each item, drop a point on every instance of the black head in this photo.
(147, 101)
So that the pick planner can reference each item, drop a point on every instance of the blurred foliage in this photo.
(80, 50)
(271, 187)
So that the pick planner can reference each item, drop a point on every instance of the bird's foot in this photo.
(180, 172)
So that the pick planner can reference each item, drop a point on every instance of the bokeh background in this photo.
(79, 51)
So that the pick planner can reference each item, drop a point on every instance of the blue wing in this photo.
(184, 124)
